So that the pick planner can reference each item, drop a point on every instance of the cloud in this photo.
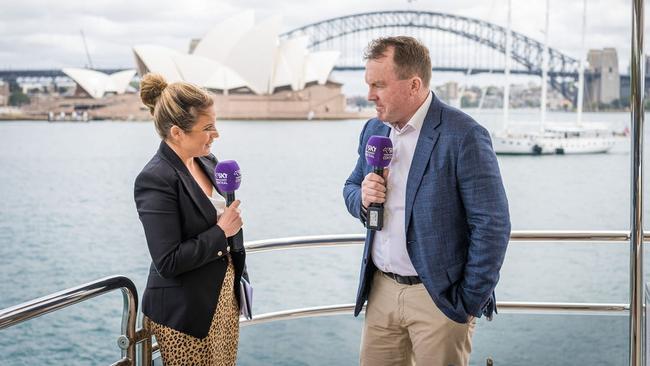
(46, 34)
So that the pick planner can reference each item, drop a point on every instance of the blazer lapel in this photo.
(192, 187)
(423, 149)
(208, 163)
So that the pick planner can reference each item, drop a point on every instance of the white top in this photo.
(218, 202)
(389, 248)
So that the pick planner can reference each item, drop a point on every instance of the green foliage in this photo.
(18, 98)
(13, 86)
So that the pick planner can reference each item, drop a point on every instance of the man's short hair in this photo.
(410, 56)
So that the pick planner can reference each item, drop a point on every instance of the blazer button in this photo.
(219, 253)
(228, 249)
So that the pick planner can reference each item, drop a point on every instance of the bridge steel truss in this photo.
(525, 51)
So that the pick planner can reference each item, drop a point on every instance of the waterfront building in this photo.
(253, 73)
(4, 93)
(605, 87)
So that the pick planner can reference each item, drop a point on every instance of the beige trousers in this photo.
(403, 326)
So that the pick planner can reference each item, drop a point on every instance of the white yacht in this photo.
(558, 138)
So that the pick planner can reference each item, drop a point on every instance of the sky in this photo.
(46, 34)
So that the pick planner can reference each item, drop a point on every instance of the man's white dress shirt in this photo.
(389, 248)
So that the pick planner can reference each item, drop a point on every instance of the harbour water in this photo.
(67, 217)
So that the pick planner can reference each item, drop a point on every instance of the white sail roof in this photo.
(97, 83)
(119, 81)
(219, 42)
(319, 65)
(237, 53)
(207, 73)
(158, 59)
(254, 56)
(290, 63)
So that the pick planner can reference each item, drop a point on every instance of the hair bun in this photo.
(151, 87)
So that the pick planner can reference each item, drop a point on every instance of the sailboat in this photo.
(558, 138)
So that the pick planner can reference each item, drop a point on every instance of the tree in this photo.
(18, 98)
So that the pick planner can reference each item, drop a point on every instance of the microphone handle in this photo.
(375, 219)
(380, 172)
(230, 198)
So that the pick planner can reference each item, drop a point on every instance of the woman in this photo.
(191, 300)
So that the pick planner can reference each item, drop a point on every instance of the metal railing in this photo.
(298, 242)
(62, 299)
(504, 306)
(516, 237)
(131, 337)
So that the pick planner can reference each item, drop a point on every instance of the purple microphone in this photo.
(379, 152)
(228, 178)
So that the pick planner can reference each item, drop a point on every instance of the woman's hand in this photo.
(230, 221)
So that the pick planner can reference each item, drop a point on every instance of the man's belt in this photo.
(404, 280)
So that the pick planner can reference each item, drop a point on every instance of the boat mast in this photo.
(544, 72)
(581, 72)
(506, 88)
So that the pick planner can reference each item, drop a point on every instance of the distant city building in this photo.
(4, 93)
(605, 86)
(448, 92)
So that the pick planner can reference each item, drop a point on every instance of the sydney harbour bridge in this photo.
(457, 44)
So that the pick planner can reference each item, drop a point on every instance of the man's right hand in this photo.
(373, 189)
(230, 220)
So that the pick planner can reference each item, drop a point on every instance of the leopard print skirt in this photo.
(219, 348)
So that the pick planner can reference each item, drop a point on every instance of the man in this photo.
(433, 267)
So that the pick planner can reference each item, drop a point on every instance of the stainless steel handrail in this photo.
(62, 299)
(297, 242)
(504, 306)
(129, 338)
(319, 241)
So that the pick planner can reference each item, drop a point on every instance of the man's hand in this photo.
(373, 189)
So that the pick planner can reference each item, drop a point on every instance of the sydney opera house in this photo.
(253, 73)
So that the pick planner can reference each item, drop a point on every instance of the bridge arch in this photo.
(525, 51)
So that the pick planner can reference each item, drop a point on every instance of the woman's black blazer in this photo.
(187, 247)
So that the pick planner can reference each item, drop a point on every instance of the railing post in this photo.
(145, 349)
(129, 318)
(637, 79)
(146, 345)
